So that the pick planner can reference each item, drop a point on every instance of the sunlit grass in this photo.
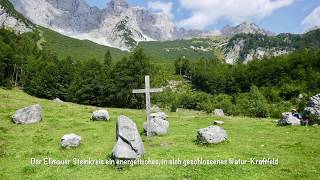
(297, 148)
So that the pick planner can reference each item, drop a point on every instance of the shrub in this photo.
(252, 104)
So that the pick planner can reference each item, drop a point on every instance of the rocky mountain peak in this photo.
(246, 27)
(114, 4)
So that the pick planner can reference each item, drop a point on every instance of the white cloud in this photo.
(312, 20)
(208, 12)
(164, 7)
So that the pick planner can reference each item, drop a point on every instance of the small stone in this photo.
(218, 123)
(70, 141)
(57, 100)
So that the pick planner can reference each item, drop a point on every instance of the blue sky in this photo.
(293, 16)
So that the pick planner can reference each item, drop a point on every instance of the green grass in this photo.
(172, 50)
(79, 49)
(297, 148)
(160, 51)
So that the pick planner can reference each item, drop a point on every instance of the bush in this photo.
(225, 102)
(276, 109)
(252, 104)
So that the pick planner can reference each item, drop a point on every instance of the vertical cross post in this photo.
(148, 105)
(147, 91)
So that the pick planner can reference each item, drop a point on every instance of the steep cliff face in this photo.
(11, 19)
(118, 25)
(69, 16)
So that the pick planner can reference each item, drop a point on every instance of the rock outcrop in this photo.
(11, 22)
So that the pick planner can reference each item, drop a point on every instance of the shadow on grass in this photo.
(199, 143)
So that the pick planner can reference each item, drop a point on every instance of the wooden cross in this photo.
(147, 91)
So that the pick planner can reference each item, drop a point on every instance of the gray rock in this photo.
(57, 100)
(70, 141)
(289, 119)
(129, 143)
(218, 112)
(7, 20)
(313, 107)
(314, 101)
(160, 115)
(100, 115)
(218, 123)
(28, 115)
(212, 135)
(311, 110)
(159, 124)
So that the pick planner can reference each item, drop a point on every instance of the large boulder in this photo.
(313, 108)
(159, 124)
(289, 119)
(129, 144)
(100, 115)
(212, 135)
(28, 115)
(314, 101)
(218, 112)
(70, 141)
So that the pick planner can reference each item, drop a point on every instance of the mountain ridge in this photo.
(247, 28)
(118, 25)
(79, 20)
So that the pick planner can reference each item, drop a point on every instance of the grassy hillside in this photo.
(193, 49)
(163, 52)
(297, 148)
(79, 49)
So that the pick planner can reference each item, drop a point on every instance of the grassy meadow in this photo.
(297, 148)
(163, 52)
(65, 46)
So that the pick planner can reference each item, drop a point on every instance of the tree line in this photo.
(259, 87)
(40, 73)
